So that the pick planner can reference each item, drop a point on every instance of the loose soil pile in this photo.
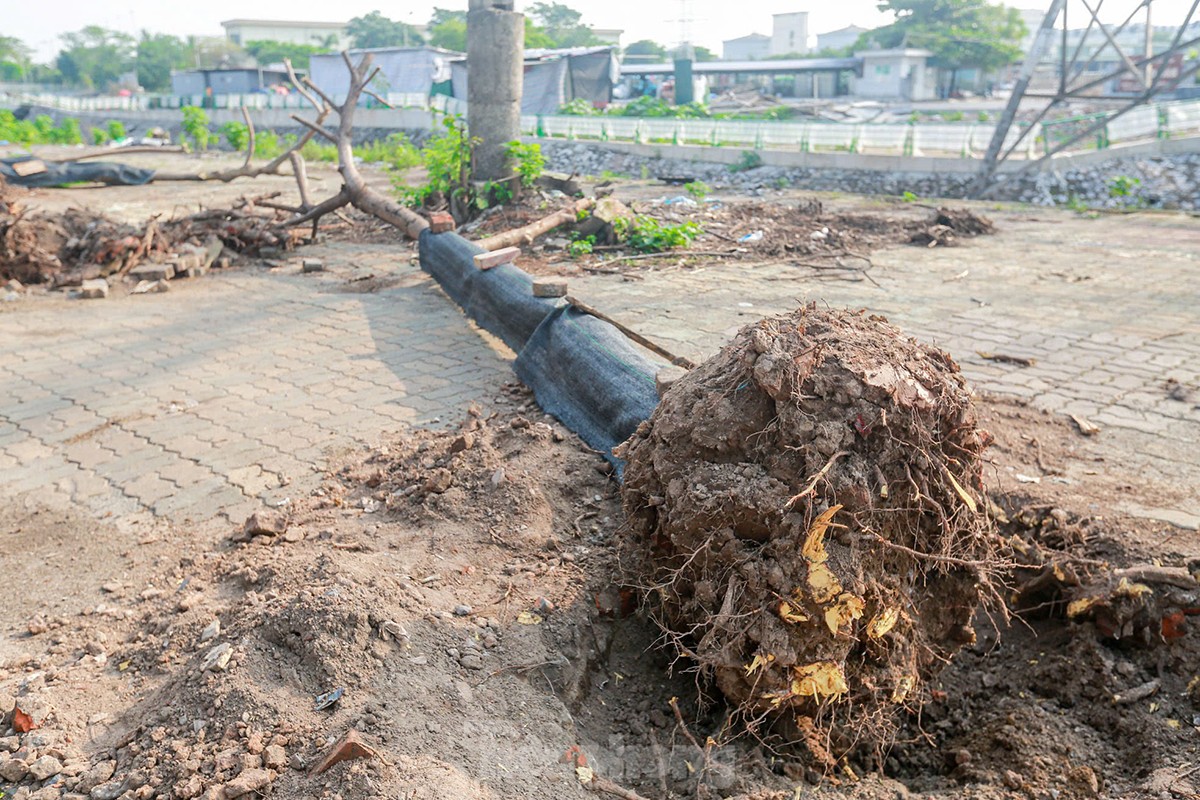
(460, 587)
(808, 510)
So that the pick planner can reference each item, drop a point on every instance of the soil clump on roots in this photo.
(807, 513)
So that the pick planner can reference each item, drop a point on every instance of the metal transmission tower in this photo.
(1070, 75)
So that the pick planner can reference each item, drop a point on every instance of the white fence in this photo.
(958, 140)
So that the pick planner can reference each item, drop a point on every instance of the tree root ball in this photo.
(807, 515)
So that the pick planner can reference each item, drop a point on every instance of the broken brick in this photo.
(349, 747)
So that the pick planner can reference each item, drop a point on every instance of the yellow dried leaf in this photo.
(845, 610)
(883, 622)
(788, 613)
(1079, 607)
(1174, 723)
(584, 774)
(970, 501)
(529, 618)
(777, 698)
(822, 679)
(1132, 590)
(904, 687)
(758, 663)
(1058, 572)
(823, 583)
(814, 542)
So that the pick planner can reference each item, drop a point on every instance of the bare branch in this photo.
(321, 209)
(315, 128)
(328, 100)
(287, 63)
(250, 143)
(301, 173)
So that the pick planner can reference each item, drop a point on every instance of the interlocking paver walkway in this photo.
(225, 392)
(1108, 308)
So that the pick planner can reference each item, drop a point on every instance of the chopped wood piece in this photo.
(496, 258)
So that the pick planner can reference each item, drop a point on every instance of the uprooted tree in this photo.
(809, 523)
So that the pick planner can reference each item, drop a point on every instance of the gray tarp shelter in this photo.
(409, 70)
(555, 77)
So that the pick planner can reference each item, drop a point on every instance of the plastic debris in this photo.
(324, 701)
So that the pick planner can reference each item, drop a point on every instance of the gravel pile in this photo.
(1171, 182)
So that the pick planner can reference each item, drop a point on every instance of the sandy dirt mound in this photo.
(808, 508)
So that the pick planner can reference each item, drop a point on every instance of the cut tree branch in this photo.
(526, 235)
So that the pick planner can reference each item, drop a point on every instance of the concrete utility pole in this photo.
(495, 72)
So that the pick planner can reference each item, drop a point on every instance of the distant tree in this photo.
(95, 57)
(646, 50)
(562, 24)
(536, 38)
(268, 52)
(216, 52)
(960, 33)
(14, 58)
(448, 29)
(704, 54)
(376, 30)
(158, 54)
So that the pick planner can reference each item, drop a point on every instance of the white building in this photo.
(322, 34)
(790, 34)
(839, 39)
(898, 74)
(755, 47)
(608, 35)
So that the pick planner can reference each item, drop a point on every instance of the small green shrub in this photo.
(578, 108)
(909, 197)
(1121, 186)
(582, 247)
(697, 189)
(116, 130)
(648, 235)
(99, 136)
(267, 145)
(528, 160)
(195, 126)
(319, 151)
(237, 135)
(68, 132)
(394, 152)
(748, 160)
(447, 160)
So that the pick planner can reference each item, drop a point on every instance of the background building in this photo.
(839, 39)
(754, 47)
(790, 34)
(197, 82)
(902, 73)
(608, 35)
(322, 34)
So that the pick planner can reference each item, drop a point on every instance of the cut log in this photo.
(528, 233)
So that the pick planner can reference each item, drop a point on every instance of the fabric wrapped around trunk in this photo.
(61, 174)
(582, 370)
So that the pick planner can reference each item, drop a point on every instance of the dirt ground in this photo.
(465, 591)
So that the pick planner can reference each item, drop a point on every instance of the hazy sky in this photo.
(39, 25)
